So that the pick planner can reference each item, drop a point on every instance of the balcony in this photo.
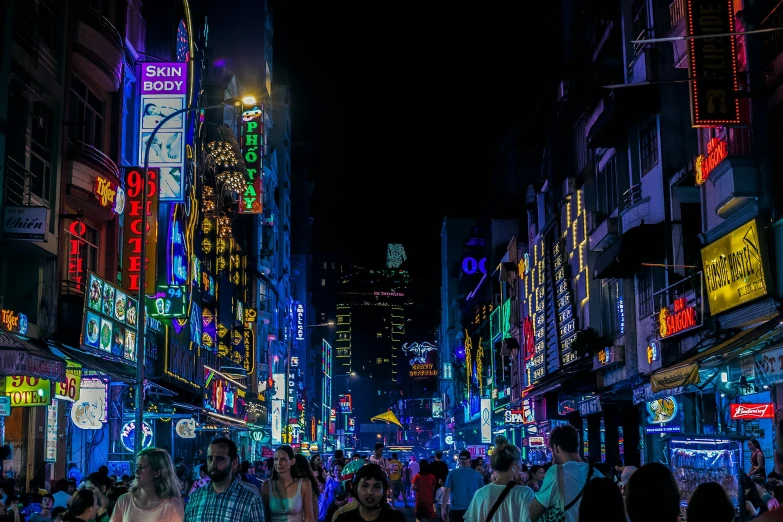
(731, 184)
(35, 33)
(603, 230)
(25, 188)
(98, 49)
(265, 308)
(85, 163)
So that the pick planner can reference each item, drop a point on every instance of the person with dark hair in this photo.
(505, 495)
(439, 468)
(202, 481)
(757, 460)
(570, 471)
(396, 487)
(423, 484)
(305, 471)
(47, 501)
(710, 503)
(652, 477)
(83, 507)
(103, 470)
(602, 502)
(618, 468)
(460, 487)
(753, 501)
(288, 495)
(370, 487)
(114, 495)
(248, 477)
(57, 514)
(317, 466)
(378, 458)
(776, 515)
(537, 473)
(331, 491)
(224, 499)
(100, 484)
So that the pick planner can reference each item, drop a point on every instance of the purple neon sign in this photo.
(470, 265)
(164, 78)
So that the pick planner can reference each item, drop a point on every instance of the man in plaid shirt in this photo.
(224, 499)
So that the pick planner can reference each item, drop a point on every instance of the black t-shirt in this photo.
(386, 515)
(440, 470)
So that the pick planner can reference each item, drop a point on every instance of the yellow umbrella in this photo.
(387, 416)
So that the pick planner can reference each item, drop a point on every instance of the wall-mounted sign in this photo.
(437, 408)
(752, 411)
(515, 416)
(110, 319)
(735, 268)
(277, 421)
(608, 355)
(168, 302)
(5, 406)
(28, 223)
(486, 420)
(128, 436)
(477, 451)
(70, 389)
(345, 403)
(299, 321)
(163, 88)
(28, 391)
(660, 416)
(13, 321)
(589, 406)
(109, 194)
(132, 232)
(652, 352)
(50, 444)
(253, 148)
(712, 64)
(677, 317)
(470, 265)
(423, 360)
(89, 412)
(186, 429)
(717, 151)
(564, 308)
(536, 442)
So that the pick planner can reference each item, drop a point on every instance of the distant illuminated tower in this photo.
(395, 255)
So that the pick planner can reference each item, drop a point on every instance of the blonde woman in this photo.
(155, 493)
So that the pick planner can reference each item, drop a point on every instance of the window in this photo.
(87, 112)
(334, 265)
(648, 281)
(41, 151)
(82, 254)
(607, 185)
(613, 309)
(648, 144)
(324, 265)
(323, 282)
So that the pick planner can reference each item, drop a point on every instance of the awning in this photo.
(24, 358)
(641, 244)
(107, 364)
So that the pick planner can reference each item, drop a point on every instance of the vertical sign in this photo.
(51, 432)
(299, 319)
(163, 91)
(536, 365)
(564, 306)
(486, 421)
(277, 421)
(712, 64)
(326, 388)
(132, 233)
(253, 153)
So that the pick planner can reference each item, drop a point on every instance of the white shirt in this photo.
(516, 505)
(414, 467)
(574, 478)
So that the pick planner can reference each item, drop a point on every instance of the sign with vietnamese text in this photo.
(735, 268)
(661, 416)
(163, 88)
(717, 151)
(50, 444)
(28, 223)
(253, 148)
(133, 235)
(677, 317)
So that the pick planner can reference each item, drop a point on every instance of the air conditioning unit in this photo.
(562, 91)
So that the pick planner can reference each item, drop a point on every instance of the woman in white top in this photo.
(154, 495)
(506, 462)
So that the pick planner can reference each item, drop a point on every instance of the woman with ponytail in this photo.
(82, 507)
(504, 499)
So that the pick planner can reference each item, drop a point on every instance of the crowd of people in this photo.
(289, 487)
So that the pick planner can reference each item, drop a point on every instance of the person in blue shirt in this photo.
(461, 484)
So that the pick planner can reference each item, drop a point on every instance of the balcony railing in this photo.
(691, 289)
(25, 188)
(97, 21)
(85, 152)
(676, 12)
(632, 195)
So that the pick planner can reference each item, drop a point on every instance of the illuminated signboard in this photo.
(735, 268)
(470, 265)
(535, 442)
(28, 391)
(564, 309)
(169, 301)
(516, 416)
(535, 367)
(70, 388)
(50, 444)
(676, 318)
(422, 365)
(712, 64)
(437, 408)
(661, 416)
(345, 403)
(299, 320)
(277, 421)
(79, 251)
(128, 436)
(223, 396)
(253, 148)
(163, 89)
(528, 411)
(752, 411)
(89, 413)
(109, 194)
(14, 322)
(132, 232)
(717, 151)
(110, 319)
(326, 383)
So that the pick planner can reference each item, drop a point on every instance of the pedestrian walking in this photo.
(602, 502)
(378, 458)
(439, 468)
(424, 484)
(395, 481)
(224, 499)
(154, 495)
(460, 487)
(288, 495)
(503, 500)
(370, 487)
(652, 477)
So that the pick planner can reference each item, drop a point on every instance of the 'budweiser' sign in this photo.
(752, 411)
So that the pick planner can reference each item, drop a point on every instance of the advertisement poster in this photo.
(163, 91)
(486, 421)
(110, 319)
(277, 421)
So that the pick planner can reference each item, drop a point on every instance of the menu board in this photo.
(110, 319)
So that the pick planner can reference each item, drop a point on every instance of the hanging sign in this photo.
(660, 416)
(486, 420)
(712, 64)
(168, 302)
(752, 411)
(299, 320)
(132, 232)
(28, 391)
(717, 151)
(676, 318)
(186, 428)
(253, 146)
(109, 194)
(14, 322)
(128, 436)
(89, 412)
(69, 388)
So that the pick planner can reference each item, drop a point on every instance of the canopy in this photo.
(387, 416)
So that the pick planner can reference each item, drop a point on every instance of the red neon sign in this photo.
(752, 411)
(717, 151)
(677, 318)
(529, 338)
(132, 233)
(77, 252)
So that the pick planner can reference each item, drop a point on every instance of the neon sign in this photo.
(169, 301)
(299, 326)
(109, 194)
(253, 151)
(470, 266)
(132, 233)
(752, 411)
(77, 252)
(14, 322)
(717, 151)
(676, 318)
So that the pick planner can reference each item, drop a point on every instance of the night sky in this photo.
(404, 107)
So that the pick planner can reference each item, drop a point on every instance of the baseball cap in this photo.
(464, 454)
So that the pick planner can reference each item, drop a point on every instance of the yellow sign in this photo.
(675, 377)
(28, 391)
(69, 388)
(734, 269)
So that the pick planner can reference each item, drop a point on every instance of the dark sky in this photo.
(403, 106)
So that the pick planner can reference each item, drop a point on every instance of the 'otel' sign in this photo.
(470, 266)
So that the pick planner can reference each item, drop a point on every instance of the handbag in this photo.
(499, 501)
(556, 513)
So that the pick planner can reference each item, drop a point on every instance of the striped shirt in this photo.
(236, 504)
